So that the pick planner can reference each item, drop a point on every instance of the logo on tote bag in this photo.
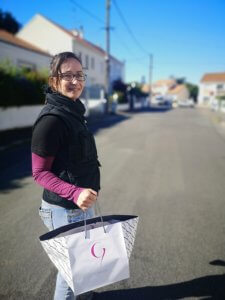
(97, 251)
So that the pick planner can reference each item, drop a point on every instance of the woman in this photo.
(64, 155)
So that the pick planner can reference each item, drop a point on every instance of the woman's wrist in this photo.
(76, 194)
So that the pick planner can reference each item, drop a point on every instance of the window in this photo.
(101, 67)
(92, 63)
(86, 61)
(26, 65)
(219, 86)
(80, 56)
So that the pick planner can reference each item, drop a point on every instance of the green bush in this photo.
(221, 98)
(21, 86)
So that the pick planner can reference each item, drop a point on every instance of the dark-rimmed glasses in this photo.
(70, 77)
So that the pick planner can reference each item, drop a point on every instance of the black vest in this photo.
(77, 161)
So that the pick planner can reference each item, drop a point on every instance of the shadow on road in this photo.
(151, 109)
(208, 287)
(96, 124)
(218, 262)
(15, 161)
(15, 164)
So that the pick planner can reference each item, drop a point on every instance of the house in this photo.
(161, 87)
(178, 93)
(54, 38)
(22, 53)
(211, 86)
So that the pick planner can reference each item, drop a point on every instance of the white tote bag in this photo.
(93, 253)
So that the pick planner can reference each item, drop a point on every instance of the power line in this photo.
(128, 28)
(99, 20)
(191, 62)
(128, 49)
(96, 18)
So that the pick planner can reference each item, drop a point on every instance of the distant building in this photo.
(211, 86)
(54, 38)
(21, 53)
(161, 87)
(167, 89)
(178, 93)
(145, 88)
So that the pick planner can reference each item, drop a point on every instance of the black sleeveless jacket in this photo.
(77, 162)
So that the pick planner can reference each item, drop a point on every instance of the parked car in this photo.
(186, 103)
(160, 100)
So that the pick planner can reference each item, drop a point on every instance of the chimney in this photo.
(78, 33)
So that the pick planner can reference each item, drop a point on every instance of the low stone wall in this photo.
(18, 117)
(24, 116)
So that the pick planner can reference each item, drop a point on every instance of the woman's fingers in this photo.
(93, 192)
(86, 198)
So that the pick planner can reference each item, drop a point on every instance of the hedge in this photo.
(21, 86)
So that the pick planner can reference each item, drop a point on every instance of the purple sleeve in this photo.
(41, 171)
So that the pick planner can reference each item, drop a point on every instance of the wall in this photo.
(49, 37)
(209, 91)
(25, 116)
(45, 35)
(17, 55)
(116, 70)
(96, 74)
(18, 117)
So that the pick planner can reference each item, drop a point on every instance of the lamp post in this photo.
(107, 55)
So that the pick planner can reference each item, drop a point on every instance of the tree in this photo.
(193, 90)
(118, 85)
(180, 80)
(121, 89)
(8, 22)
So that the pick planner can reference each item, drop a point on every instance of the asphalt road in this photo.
(167, 167)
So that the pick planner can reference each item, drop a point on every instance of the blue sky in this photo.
(186, 38)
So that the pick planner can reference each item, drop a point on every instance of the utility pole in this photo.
(107, 57)
(150, 77)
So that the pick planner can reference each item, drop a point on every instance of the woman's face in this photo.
(68, 85)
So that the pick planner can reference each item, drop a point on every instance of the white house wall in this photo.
(161, 90)
(96, 74)
(116, 70)
(45, 35)
(183, 94)
(48, 36)
(20, 56)
(208, 92)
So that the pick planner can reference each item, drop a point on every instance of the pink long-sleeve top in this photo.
(41, 171)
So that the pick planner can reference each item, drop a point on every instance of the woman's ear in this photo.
(52, 82)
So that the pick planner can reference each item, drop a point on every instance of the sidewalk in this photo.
(217, 118)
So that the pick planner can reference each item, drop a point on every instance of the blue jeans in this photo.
(53, 217)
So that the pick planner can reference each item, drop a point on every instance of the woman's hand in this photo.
(86, 198)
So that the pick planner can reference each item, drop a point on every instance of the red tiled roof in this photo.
(14, 40)
(163, 82)
(177, 89)
(213, 77)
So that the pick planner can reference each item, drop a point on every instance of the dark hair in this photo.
(56, 63)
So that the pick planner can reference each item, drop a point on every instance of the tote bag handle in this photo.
(100, 216)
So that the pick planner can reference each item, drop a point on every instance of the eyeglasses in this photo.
(70, 77)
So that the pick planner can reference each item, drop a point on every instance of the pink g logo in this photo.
(97, 251)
